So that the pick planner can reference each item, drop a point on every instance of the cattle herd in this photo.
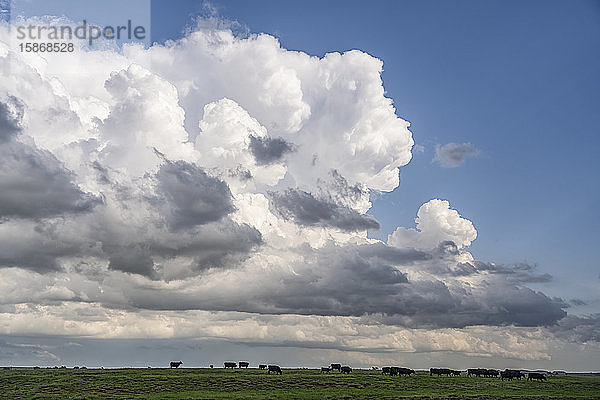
(508, 374)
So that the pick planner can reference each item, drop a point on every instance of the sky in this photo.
(302, 183)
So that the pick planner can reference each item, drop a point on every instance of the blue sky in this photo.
(518, 80)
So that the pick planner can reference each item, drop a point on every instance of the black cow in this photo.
(345, 369)
(405, 371)
(394, 371)
(175, 364)
(490, 373)
(243, 364)
(455, 372)
(439, 371)
(476, 371)
(262, 366)
(536, 375)
(231, 365)
(212, 366)
(336, 366)
(386, 370)
(274, 368)
(325, 369)
(510, 374)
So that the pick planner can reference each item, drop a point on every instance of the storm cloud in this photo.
(35, 184)
(269, 150)
(156, 202)
(195, 197)
(303, 208)
(11, 117)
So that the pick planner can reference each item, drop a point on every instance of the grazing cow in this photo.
(274, 368)
(345, 369)
(175, 364)
(439, 371)
(262, 366)
(394, 371)
(476, 371)
(536, 375)
(510, 374)
(386, 370)
(405, 371)
(336, 366)
(490, 373)
(455, 372)
(231, 365)
(243, 364)
(325, 369)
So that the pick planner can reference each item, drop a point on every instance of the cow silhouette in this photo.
(229, 365)
(404, 371)
(536, 375)
(262, 366)
(491, 373)
(243, 364)
(488, 373)
(510, 374)
(440, 371)
(336, 366)
(175, 364)
(274, 368)
(476, 371)
(345, 369)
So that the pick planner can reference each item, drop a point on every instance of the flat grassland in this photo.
(200, 383)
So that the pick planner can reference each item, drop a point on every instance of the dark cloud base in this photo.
(304, 209)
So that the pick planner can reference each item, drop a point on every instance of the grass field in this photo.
(292, 384)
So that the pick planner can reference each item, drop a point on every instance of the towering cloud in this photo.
(233, 190)
(436, 223)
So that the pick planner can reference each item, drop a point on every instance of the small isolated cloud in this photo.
(453, 155)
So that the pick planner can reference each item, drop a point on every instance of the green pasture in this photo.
(217, 383)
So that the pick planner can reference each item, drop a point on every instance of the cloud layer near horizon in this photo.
(140, 195)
